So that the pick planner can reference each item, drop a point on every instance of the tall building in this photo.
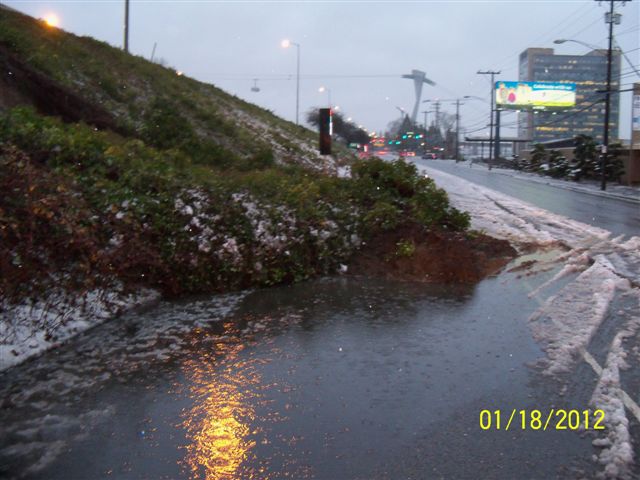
(589, 73)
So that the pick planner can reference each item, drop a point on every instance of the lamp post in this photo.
(426, 112)
(466, 97)
(588, 45)
(493, 87)
(126, 26)
(286, 44)
(610, 18)
(457, 104)
(52, 20)
(328, 90)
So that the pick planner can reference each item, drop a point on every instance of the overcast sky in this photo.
(357, 49)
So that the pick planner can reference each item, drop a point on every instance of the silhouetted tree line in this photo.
(343, 130)
(585, 163)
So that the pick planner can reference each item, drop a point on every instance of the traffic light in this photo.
(325, 131)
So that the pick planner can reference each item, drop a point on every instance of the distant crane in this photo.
(419, 78)
(255, 87)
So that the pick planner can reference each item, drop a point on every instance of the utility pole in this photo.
(493, 74)
(425, 120)
(457, 130)
(126, 26)
(610, 18)
(297, 82)
(437, 104)
(497, 142)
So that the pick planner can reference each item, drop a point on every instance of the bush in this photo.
(99, 206)
(397, 192)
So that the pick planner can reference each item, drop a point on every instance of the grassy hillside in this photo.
(149, 101)
(126, 174)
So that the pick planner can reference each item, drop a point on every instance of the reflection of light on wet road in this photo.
(218, 424)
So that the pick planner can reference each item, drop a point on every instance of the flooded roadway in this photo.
(336, 378)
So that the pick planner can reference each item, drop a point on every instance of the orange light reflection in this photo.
(218, 425)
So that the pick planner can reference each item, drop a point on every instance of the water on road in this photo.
(338, 378)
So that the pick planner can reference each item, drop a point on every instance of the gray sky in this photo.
(229, 43)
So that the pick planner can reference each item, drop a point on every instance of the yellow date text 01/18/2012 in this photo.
(555, 419)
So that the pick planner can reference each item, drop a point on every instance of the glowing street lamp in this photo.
(328, 90)
(52, 20)
(286, 43)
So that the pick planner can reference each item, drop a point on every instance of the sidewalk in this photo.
(591, 187)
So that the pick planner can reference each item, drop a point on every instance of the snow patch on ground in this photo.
(574, 265)
(604, 269)
(344, 172)
(505, 217)
(566, 322)
(28, 330)
(616, 456)
(284, 144)
(42, 391)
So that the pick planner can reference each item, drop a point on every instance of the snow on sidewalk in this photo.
(592, 187)
(28, 330)
(599, 270)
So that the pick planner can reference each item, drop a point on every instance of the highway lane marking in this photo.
(628, 402)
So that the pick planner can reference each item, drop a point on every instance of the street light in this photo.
(588, 45)
(126, 26)
(328, 90)
(286, 44)
(611, 19)
(469, 97)
(52, 20)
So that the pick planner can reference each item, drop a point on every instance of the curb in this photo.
(588, 191)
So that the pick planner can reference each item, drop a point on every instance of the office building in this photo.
(589, 73)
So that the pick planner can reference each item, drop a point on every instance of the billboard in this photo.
(535, 95)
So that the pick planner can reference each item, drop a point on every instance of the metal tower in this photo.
(418, 78)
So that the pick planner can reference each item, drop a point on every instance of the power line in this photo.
(585, 28)
(571, 17)
(572, 114)
(288, 76)
(493, 74)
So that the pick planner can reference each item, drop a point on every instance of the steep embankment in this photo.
(82, 79)
(125, 177)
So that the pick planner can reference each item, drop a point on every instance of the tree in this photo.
(434, 137)
(584, 158)
(346, 131)
(615, 167)
(558, 165)
(538, 158)
(446, 122)
(450, 143)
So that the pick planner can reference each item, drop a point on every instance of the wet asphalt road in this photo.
(340, 378)
(617, 216)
